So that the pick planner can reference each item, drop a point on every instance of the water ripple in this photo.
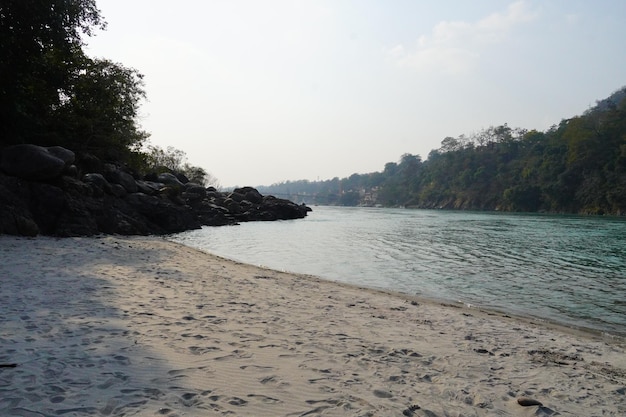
(565, 268)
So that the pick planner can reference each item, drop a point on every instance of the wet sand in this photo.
(118, 326)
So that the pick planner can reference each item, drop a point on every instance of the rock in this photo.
(250, 194)
(169, 179)
(528, 402)
(89, 163)
(149, 187)
(46, 203)
(98, 181)
(170, 217)
(116, 176)
(213, 215)
(118, 190)
(259, 216)
(77, 218)
(284, 209)
(195, 189)
(194, 192)
(172, 193)
(71, 171)
(110, 199)
(15, 216)
(181, 177)
(232, 205)
(35, 162)
(68, 157)
(236, 197)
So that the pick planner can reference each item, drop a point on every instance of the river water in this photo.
(567, 269)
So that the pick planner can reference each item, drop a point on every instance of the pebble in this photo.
(527, 402)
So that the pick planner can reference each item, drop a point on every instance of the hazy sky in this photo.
(261, 91)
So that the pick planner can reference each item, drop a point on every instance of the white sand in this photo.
(118, 326)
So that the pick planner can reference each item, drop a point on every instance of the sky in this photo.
(259, 92)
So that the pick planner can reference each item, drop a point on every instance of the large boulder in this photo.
(282, 209)
(169, 179)
(249, 193)
(213, 215)
(65, 155)
(15, 216)
(238, 197)
(194, 192)
(87, 163)
(34, 162)
(116, 176)
(98, 182)
(169, 216)
(149, 187)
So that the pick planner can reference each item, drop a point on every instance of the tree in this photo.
(99, 109)
(200, 176)
(450, 144)
(162, 160)
(174, 160)
(40, 46)
(51, 93)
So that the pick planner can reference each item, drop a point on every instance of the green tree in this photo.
(51, 93)
(41, 46)
(200, 176)
(98, 111)
(164, 160)
(174, 160)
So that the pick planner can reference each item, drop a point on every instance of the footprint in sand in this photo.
(268, 379)
(197, 350)
(382, 394)
(265, 399)
(239, 402)
(189, 399)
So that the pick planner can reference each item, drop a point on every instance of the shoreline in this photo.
(115, 325)
(560, 325)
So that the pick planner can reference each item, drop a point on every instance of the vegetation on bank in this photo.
(53, 94)
(577, 166)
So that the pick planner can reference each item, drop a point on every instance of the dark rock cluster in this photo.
(51, 192)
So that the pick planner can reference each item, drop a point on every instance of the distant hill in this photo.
(576, 166)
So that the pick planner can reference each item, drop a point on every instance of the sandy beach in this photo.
(119, 326)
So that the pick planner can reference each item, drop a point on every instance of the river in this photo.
(567, 269)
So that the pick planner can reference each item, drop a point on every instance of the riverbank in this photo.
(564, 269)
(142, 326)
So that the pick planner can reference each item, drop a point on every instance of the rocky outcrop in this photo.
(42, 191)
(35, 162)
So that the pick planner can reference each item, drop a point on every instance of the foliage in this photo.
(99, 111)
(51, 93)
(40, 46)
(174, 160)
(578, 166)
(164, 160)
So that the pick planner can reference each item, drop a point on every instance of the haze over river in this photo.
(567, 269)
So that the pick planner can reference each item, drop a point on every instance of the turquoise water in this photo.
(567, 269)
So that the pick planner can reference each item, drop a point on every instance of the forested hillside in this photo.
(577, 166)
